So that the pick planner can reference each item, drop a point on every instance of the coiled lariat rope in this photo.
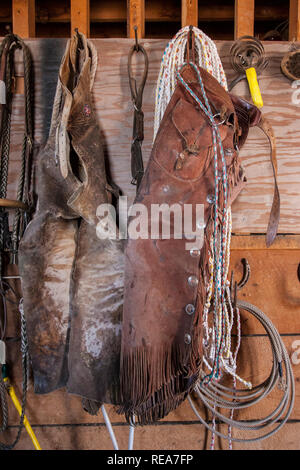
(216, 395)
(174, 57)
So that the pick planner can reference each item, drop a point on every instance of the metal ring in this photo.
(219, 123)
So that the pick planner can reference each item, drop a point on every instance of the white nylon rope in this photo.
(174, 57)
(109, 428)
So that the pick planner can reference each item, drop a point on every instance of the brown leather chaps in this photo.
(72, 280)
(165, 284)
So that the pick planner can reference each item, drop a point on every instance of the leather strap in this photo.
(250, 116)
(137, 167)
(265, 126)
(190, 46)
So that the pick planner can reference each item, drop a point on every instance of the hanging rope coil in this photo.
(216, 395)
(174, 57)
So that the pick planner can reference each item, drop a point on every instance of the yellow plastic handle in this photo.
(254, 87)
(28, 428)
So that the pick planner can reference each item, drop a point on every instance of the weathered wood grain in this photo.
(114, 110)
(23, 18)
(258, 242)
(80, 16)
(58, 11)
(273, 286)
(167, 437)
(244, 18)
(294, 20)
(136, 18)
(189, 13)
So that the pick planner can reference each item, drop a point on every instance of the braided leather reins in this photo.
(9, 240)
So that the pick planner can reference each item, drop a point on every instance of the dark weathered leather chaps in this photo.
(72, 280)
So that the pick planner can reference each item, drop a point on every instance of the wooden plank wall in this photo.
(58, 419)
(114, 110)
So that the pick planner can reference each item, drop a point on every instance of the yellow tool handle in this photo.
(254, 87)
(28, 428)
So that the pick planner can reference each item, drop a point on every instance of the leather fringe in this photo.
(155, 381)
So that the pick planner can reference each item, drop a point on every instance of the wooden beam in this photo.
(23, 18)
(167, 11)
(243, 18)
(189, 13)
(258, 242)
(136, 17)
(294, 20)
(80, 16)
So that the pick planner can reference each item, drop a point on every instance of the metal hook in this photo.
(8, 29)
(77, 33)
(246, 273)
(236, 286)
(136, 46)
(190, 36)
(10, 32)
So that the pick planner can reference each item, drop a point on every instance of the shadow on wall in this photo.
(50, 52)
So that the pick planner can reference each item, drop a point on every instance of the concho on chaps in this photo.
(72, 280)
(165, 284)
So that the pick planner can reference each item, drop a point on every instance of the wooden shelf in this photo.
(111, 18)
